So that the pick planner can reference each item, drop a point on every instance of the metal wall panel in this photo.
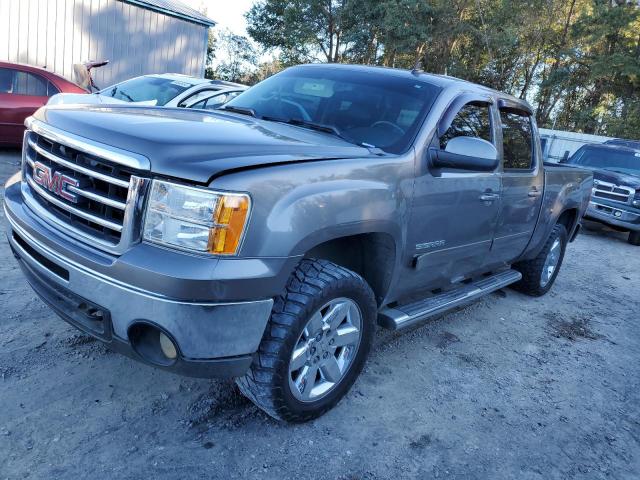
(137, 41)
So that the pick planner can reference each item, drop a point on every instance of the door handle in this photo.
(534, 192)
(489, 197)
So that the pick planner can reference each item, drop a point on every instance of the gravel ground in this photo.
(510, 387)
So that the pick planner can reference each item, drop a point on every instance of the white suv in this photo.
(163, 90)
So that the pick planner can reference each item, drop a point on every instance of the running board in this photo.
(403, 316)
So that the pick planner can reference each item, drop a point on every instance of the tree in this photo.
(211, 54)
(236, 54)
(576, 61)
(302, 30)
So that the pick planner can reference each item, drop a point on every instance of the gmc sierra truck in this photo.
(615, 200)
(265, 241)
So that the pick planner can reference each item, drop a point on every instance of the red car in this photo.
(24, 89)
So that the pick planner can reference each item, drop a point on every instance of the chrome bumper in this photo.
(203, 331)
(618, 216)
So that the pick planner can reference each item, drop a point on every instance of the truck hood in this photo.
(195, 145)
(609, 176)
(91, 99)
(617, 178)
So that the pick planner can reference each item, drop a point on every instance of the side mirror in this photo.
(467, 153)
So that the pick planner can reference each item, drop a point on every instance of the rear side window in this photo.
(215, 101)
(517, 140)
(473, 120)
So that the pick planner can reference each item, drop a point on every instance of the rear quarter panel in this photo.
(564, 189)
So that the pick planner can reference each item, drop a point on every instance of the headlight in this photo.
(195, 219)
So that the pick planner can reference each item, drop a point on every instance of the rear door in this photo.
(21, 94)
(522, 183)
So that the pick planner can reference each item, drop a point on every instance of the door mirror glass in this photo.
(472, 147)
(467, 153)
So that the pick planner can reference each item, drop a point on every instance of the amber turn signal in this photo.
(230, 218)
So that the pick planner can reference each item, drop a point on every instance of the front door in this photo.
(455, 211)
(522, 185)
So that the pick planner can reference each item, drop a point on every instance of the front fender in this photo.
(324, 211)
(298, 206)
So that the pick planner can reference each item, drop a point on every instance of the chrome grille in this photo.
(100, 204)
(613, 192)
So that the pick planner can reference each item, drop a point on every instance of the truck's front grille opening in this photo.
(84, 191)
(612, 192)
(41, 259)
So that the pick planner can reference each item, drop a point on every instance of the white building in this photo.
(136, 36)
(558, 144)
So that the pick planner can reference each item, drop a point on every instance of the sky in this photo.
(226, 13)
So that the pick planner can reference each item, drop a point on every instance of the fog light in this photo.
(167, 346)
(617, 214)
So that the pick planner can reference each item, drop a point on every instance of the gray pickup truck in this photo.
(266, 241)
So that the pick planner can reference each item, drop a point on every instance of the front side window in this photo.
(147, 89)
(6, 80)
(517, 140)
(473, 120)
(17, 82)
(362, 106)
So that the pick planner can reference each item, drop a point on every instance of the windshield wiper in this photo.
(122, 92)
(310, 125)
(242, 110)
(126, 95)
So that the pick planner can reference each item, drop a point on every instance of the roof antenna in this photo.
(417, 68)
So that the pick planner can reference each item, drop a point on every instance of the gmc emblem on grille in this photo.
(55, 182)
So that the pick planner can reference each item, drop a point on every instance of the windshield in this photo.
(147, 89)
(362, 107)
(617, 160)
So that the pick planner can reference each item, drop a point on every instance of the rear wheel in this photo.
(634, 238)
(539, 274)
(315, 344)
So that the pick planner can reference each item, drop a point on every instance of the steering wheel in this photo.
(385, 122)
(305, 116)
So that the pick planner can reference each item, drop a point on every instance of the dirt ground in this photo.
(510, 387)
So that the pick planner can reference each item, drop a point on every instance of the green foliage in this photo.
(576, 61)
(236, 56)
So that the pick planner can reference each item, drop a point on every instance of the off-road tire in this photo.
(532, 270)
(634, 238)
(311, 285)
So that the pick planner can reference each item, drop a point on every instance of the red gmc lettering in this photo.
(55, 182)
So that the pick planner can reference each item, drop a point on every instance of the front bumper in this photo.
(213, 338)
(622, 216)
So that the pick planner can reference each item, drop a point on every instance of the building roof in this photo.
(174, 8)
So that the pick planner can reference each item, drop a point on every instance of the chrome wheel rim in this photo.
(551, 263)
(325, 349)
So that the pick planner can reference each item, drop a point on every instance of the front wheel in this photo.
(315, 343)
(539, 274)
(634, 238)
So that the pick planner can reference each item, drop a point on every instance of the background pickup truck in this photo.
(267, 240)
(615, 200)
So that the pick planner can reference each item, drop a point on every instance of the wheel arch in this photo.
(371, 255)
(569, 218)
